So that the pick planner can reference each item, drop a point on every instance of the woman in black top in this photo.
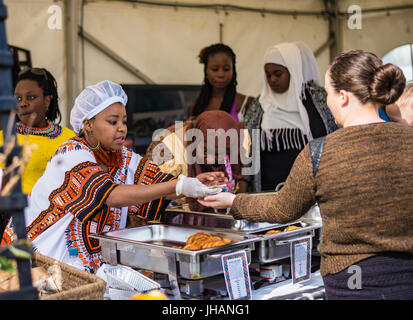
(290, 111)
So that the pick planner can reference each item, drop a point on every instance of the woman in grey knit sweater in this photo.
(362, 179)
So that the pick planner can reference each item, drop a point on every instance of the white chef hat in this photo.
(94, 99)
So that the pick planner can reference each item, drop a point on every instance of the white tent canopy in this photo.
(159, 41)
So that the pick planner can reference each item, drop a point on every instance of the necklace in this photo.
(52, 130)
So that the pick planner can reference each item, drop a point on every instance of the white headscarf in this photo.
(286, 110)
(95, 99)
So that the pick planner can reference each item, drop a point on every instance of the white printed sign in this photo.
(301, 259)
(236, 274)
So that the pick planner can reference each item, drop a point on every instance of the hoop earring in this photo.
(95, 148)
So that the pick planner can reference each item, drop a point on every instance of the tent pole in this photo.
(333, 28)
(71, 51)
(114, 56)
(324, 46)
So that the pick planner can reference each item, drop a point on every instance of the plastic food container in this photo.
(125, 278)
(270, 273)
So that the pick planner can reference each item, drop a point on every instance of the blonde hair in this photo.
(406, 99)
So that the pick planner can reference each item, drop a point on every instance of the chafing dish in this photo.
(151, 247)
(276, 246)
(215, 221)
(270, 248)
(223, 222)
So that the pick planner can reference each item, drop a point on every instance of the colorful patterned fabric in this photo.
(77, 188)
(149, 173)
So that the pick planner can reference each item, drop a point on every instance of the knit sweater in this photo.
(364, 188)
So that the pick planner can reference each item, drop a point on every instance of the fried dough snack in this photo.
(273, 231)
(202, 240)
(289, 228)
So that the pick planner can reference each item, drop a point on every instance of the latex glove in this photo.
(221, 200)
(193, 188)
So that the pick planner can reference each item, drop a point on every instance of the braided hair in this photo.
(48, 83)
(206, 89)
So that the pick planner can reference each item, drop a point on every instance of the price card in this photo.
(301, 259)
(236, 274)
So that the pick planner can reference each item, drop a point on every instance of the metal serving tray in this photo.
(276, 246)
(223, 222)
(215, 221)
(270, 248)
(151, 247)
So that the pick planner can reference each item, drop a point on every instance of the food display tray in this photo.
(152, 247)
(276, 246)
(226, 223)
(270, 248)
(215, 221)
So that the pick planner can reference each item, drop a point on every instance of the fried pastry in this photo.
(202, 240)
(290, 228)
(273, 231)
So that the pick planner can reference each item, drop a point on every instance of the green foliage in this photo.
(6, 265)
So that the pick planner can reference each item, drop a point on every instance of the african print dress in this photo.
(68, 202)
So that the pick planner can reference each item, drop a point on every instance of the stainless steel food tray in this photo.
(151, 247)
(222, 222)
(274, 247)
(215, 221)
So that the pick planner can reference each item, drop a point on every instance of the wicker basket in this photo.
(77, 284)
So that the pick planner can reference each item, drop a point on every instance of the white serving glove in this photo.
(193, 188)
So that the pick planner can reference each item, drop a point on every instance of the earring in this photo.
(95, 148)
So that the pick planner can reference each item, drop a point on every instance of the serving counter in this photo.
(159, 250)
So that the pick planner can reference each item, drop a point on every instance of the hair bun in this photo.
(387, 84)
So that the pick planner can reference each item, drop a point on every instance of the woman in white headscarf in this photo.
(92, 182)
(290, 111)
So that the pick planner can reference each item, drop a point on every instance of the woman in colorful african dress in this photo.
(92, 183)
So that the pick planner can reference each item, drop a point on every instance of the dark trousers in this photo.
(386, 276)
